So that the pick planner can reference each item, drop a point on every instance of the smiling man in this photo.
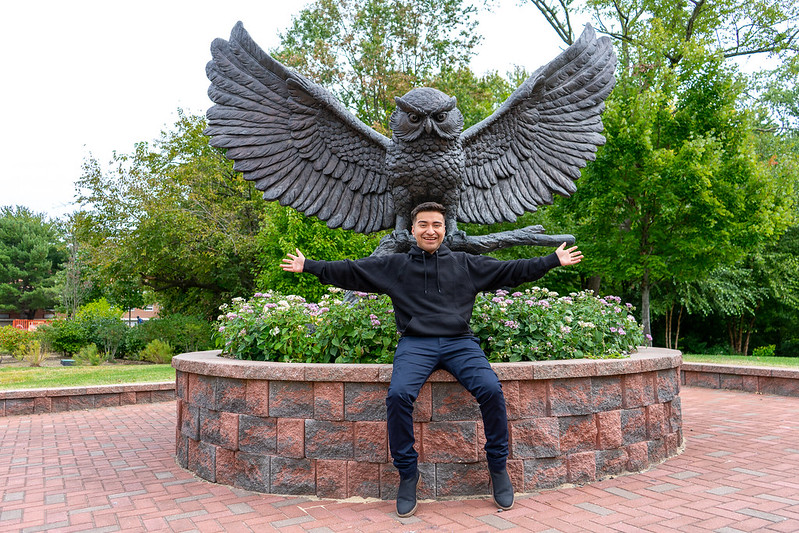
(433, 291)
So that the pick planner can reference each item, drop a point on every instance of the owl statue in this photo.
(303, 148)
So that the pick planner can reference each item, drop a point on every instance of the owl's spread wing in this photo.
(537, 141)
(295, 140)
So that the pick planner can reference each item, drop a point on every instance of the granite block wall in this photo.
(320, 429)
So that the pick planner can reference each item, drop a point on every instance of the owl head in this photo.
(426, 110)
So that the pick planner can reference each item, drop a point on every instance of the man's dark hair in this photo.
(427, 206)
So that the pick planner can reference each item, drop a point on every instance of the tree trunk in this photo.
(749, 331)
(736, 330)
(593, 284)
(677, 333)
(740, 339)
(669, 313)
(645, 318)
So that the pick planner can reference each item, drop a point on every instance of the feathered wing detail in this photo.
(295, 140)
(536, 142)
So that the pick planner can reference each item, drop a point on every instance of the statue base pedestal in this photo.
(319, 429)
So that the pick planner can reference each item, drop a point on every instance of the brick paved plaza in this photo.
(113, 469)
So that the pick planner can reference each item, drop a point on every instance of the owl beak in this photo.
(428, 125)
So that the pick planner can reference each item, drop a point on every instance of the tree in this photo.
(677, 191)
(738, 294)
(173, 220)
(31, 254)
(73, 282)
(370, 51)
(732, 28)
(288, 229)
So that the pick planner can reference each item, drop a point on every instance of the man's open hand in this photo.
(294, 263)
(572, 256)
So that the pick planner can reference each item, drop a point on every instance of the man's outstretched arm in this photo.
(367, 275)
(294, 263)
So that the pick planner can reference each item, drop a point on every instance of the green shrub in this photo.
(35, 352)
(66, 336)
(91, 355)
(108, 333)
(13, 340)
(157, 351)
(764, 351)
(530, 325)
(184, 332)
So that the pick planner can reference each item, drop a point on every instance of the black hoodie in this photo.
(433, 294)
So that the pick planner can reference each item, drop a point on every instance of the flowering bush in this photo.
(275, 327)
(540, 324)
(531, 325)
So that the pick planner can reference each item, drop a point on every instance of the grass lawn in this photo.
(749, 360)
(78, 376)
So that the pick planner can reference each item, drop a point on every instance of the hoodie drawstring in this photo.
(438, 276)
(424, 267)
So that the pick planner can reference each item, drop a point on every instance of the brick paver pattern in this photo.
(113, 469)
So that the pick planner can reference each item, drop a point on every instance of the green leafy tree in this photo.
(733, 28)
(739, 294)
(286, 230)
(677, 190)
(173, 220)
(74, 282)
(31, 254)
(370, 51)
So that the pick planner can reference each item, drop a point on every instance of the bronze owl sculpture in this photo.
(303, 148)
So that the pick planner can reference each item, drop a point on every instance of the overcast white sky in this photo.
(87, 76)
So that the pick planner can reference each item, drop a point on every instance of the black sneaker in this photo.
(502, 488)
(406, 495)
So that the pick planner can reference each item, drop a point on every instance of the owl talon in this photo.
(456, 237)
(402, 236)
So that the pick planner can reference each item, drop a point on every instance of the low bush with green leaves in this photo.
(157, 351)
(524, 326)
(26, 345)
(789, 347)
(183, 332)
(13, 340)
(765, 351)
(66, 336)
(91, 355)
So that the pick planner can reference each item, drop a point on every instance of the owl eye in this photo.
(414, 118)
(440, 117)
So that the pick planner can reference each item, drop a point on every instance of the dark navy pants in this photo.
(415, 359)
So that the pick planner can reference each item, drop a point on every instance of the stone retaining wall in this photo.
(760, 380)
(320, 430)
(35, 401)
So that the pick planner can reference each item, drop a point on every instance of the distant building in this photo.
(42, 316)
(136, 316)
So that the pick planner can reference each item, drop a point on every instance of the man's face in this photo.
(428, 229)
